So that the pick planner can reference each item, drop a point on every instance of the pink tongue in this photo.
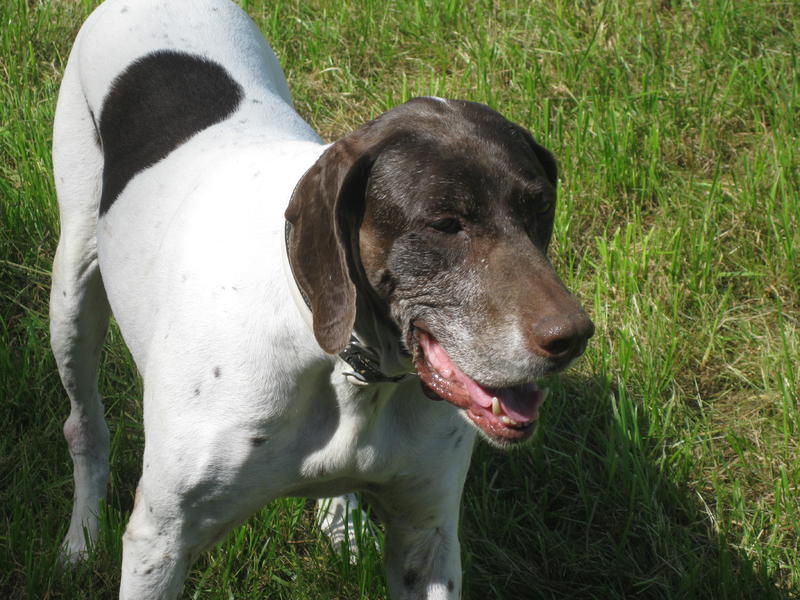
(520, 403)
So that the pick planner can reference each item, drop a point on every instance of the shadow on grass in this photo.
(595, 508)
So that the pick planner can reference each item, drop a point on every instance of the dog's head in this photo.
(427, 230)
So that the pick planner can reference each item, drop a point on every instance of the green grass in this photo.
(668, 462)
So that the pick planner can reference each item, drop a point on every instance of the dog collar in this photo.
(363, 360)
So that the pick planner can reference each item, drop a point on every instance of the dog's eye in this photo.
(447, 225)
(545, 207)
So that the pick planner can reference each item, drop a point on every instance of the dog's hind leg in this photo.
(79, 309)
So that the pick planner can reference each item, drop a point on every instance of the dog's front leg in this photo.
(196, 485)
(424, 563)
(171, 525)
(159, 545)
(154, 561)
(422, 553)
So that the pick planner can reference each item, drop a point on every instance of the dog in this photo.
(308, 319)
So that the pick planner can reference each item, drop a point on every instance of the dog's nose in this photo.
(562, 338)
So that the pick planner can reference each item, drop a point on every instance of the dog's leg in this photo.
(159, 545)
(172, 523)
(424, 562)
(175, 518)
(197, 483)
(344, 523)
(78, 306)
(422, 552)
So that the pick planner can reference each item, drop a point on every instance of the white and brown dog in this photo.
(294, 308)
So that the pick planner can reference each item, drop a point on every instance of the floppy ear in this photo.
(325, 212)
(548, 163)
(545, 159)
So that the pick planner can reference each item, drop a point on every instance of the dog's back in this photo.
(121, 31)
(145, 90)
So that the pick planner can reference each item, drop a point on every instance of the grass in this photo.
(668, 462)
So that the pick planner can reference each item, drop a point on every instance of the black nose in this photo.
(562, 338)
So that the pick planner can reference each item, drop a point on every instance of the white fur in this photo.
(240, 404)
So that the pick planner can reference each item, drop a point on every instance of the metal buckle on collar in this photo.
(365, 363)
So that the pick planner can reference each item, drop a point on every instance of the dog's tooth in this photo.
(544, 393)
(496, 411)
(509, 421)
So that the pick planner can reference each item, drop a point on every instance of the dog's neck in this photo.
(367, 364)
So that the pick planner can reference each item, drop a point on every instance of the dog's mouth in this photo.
(505, 415)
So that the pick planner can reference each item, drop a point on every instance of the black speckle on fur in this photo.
(450, 585)
(257, 441)
(217, 372)
(410, 578)
(155, 105)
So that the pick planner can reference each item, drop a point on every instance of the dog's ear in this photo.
(544, 157)
(325, 212)
(548, 163)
